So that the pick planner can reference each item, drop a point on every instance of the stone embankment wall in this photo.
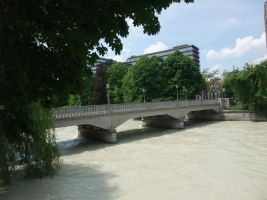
(237, 115)
(234, 115)
(226, 115)
(240, 115)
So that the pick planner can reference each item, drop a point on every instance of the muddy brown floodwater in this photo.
(220, 160)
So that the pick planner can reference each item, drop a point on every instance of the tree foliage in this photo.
(230, 82)
(159, 77)
(99, 91)
(250, 87)
(209, 76)
(115, 74)
(182, 71)
(46, 48)
(144, 75)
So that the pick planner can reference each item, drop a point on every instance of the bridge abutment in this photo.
(163, 122)
(104, 135)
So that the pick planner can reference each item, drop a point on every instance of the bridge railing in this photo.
(91, 110)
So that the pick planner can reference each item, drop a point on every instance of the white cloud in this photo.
(242, 46)
(259, 60)
(159, 46)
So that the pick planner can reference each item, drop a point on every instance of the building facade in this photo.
(190, 51)
(101, 62)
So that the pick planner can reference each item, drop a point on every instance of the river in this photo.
(212, 160)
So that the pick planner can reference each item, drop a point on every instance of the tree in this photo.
(75, 98)
(209, 75)
(145, 75)
(251, 88)
(99, 91)
(159, 77)
(115, 74)
(230, 82)
(45, 48)
(182, 71)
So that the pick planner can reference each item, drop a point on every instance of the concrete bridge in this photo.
(100, 121)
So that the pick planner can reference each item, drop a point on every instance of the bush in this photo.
(249, 85)
(31, 146)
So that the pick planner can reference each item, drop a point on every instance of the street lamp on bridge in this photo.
(107, 87)
(144, 91)
(177, 87)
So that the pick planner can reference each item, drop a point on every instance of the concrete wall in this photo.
(224, 103)
(224, 116)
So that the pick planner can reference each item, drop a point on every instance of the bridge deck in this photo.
(95, 110)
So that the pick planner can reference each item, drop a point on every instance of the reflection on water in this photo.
(223, 160)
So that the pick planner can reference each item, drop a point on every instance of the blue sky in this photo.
(228, 33)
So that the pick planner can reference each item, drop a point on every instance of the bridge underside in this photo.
(202, 115)
(163, 121)
(105, 135)
(110, 135)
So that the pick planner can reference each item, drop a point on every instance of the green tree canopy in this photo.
(145, 74)
(99, 91)
(115, 74)
(249, 86)
(230, 82)
(182, 71)
(159, 77)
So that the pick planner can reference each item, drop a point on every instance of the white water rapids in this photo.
(207, 161)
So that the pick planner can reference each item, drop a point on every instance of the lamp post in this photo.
(177, 87)
(144, 91)
(107, 87)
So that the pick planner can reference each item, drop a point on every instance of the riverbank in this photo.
(240, 115)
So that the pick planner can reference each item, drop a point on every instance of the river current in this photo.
(206, 161)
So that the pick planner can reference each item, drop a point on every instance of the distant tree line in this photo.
(155, 79)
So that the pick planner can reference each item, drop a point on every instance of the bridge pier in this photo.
(163, 122)
(104, 135)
